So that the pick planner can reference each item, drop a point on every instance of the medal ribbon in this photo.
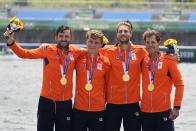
(151, 75)
(125, 67)
(89, 76)
(63, 72)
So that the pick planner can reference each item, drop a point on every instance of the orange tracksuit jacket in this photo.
(118, 91)
(51, 86)
(95, 99)
(166, 74)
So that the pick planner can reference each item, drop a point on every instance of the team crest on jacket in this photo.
(133, 56)
(148, 64)
(160, 65)
(117, 57)
(99, 66)
(84, 65)
(71, 57)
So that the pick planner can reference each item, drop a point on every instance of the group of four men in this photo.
(106, 75)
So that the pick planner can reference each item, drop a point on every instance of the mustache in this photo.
(63, 46)
(123, 35)
(66, 47)
(59, 42)
(63, 41)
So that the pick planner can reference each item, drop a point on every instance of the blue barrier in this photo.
(124, 16)
(42, 15)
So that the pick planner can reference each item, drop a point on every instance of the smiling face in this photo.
(152, 45)
(123, 34)
(152, 41)
(63, 36)
(94, 41)
(93, 45)
(63, 39)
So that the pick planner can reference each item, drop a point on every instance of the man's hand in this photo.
(174, 114)
(9, 37)
(43, 46)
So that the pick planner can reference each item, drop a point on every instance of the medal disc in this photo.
(89, 87)
(63, 81)
(126, 77)
(150, 87)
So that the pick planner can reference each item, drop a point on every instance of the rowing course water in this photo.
(20, 88)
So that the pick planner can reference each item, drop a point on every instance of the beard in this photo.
(62, 45)
(123, 40)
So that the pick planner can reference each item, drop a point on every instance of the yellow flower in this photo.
(20, 24)
(11, 20)
(170, 42)
(105, 40)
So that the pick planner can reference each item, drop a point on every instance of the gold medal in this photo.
(126, 77)
(150, 87)
(89, 87)
(63, 81)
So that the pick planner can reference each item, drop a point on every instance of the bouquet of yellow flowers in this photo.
(172, 45)
(15, 25)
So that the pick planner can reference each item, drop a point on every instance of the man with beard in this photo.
(55, 104)
(123, 88)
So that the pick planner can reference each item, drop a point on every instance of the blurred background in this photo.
(173, 18)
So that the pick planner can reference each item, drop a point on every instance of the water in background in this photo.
(20, 88)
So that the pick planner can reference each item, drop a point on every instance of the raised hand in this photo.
(9, 36)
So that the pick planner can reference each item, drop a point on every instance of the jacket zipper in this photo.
(126, 92)
(89, 100)
(125, 82)
(152, 94)
(151, 103)
(89, 91)
(64, 92)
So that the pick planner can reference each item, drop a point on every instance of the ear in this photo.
(86, 43)
(159, 43)
(56, 37)
(145, 43)
(131, 32)
(72, 38)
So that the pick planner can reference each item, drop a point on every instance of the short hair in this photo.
(126, 23)
(95, 34)
(150, 33)
(62, 28)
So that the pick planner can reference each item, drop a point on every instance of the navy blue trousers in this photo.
(157, 121)
(83, 120)
(129, 113)
(52, 113)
